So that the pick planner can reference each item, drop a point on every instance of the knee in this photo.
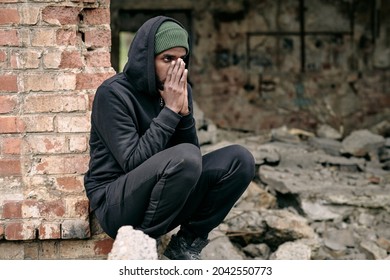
(189, 158)
(244, 159)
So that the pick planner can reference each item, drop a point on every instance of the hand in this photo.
(175, 93)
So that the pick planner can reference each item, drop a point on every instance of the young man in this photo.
(146, 168)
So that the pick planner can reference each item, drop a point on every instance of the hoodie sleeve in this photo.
(116, 123)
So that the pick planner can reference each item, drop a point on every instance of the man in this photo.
(146, 168)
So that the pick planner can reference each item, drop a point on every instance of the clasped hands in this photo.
(175, 93)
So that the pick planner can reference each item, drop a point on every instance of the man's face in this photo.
(162, 62)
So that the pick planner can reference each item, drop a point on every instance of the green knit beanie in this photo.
(170, 35)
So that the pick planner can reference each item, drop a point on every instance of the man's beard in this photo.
(159, 84)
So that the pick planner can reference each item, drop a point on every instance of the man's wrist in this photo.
(185, 113)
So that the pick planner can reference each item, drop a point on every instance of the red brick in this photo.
(19, 231)
(12, 124)
(8, 83)
(91, 97)
(54, 103)
(9, 16)
(25, 59)
(52, 59)
(12, 210)
(75, 229)
(7, 103)
(96, 16)
(11, 146)
(75, 164)
(52, 208)
(84, 1)
(91, 81)
(39, 123)
(82, 208)
(98, 38)
(98, 59)
(78, 144)
(3, 56)
(66, 37)
(70, 184)
(30, 209)
(43, 37)
(9, 38)
(44, 144)
(71, 59)
(29, 14)
(103, 247)
(49, 82)
(47, 209)
(61, 15)
(49, 231)
(10, 167)
(1, 231)
(49, 250)
(71, 123)
(13, 231)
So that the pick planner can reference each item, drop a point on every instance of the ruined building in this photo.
(256, 65)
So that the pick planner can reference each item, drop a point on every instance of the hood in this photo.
(140, 69)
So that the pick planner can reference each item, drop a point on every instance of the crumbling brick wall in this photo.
(258, 65)
(53, 55)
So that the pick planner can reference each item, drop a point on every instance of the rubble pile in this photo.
(316, 196)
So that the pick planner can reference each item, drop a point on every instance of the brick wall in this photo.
(53, 55)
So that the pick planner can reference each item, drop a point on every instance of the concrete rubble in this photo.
(314, 197)
(131, 244)
(317, 195)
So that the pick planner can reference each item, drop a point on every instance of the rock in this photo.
(133, 244)
(207, 135)
(256, 197)
(382, 128)
(329, 146)
(326, 131)
(373, 250)
(338, 240)
(272, 227)
(212, 147)
(292, 251)
(282, 134)
(384, 244)
(245, 226)
(342, 163)
(206, 130)
(330, 187)
(265, 154)
(295, 156)
(283, 226)
(257, 251)
(318, 211)
(362, 142)
(220, 248)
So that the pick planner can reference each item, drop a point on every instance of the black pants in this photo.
(178, 186)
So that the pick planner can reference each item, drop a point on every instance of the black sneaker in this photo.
(180, 249)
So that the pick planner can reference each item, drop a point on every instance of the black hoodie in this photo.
(128, 123)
